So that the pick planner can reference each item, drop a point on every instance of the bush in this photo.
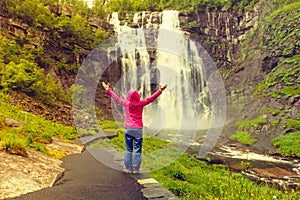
(288, 144)
(251, 123)
(110, 125)
(12, 143)
(22, 76)
(243, 137)
(291, 123)
(47, 90)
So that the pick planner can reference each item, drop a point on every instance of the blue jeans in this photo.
(133, 150)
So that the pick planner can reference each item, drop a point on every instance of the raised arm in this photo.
(154, 96)
(113, 95)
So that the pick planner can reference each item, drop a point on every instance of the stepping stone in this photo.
(88, 139)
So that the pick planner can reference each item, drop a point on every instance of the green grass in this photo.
(192, 179)
(35, 133)
(272, 111)
(243, 137)
(281, 30)
(286, 76)
(251, 123)
(288, 144)
(106, 124)
(292, 123)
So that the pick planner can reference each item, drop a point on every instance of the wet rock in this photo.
(274, 172)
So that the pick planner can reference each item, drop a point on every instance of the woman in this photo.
(133, 124)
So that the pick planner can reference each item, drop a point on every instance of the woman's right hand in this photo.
(162, 88)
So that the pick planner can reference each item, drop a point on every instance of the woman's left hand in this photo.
(106, 86)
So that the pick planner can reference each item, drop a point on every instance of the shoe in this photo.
(135, 171)
(127, 170)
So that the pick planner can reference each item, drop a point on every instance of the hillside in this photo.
(268, 73)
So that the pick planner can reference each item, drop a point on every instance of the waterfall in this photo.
(177, 64)
(134, 56)
(179, 54)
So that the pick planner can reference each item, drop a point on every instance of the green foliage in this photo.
(34, 134)
(281, 33)
(276, 122)
(283, 75)
(33, 12)
(11, 51)
(47, 90)
(106, 124)
(99, 9)
(251, 123)
(10, 142)
(291, 91)
(77, 93)
(22, 76)
(79, 30)
(27, 77)
(243, 137)
(99, 36)
(181, 5)
(292, 123)
(288, 144)
(80, 6)
(20, 71)
(272, 111)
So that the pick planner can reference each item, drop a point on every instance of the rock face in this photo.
(221, 31)
(21, 175)
(60, 113)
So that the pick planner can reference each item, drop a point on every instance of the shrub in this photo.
(243, 137)
(110, 124)
(12, 143)
(251, 123)
(288, 144)
(292, 123)
(20, 76)
(271, 111)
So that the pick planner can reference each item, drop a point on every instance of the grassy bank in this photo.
(32, 133)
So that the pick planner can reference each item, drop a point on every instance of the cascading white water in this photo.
(179, 54)
(134, 57)
(177, 64)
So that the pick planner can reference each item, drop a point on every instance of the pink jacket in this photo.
(133, 107)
